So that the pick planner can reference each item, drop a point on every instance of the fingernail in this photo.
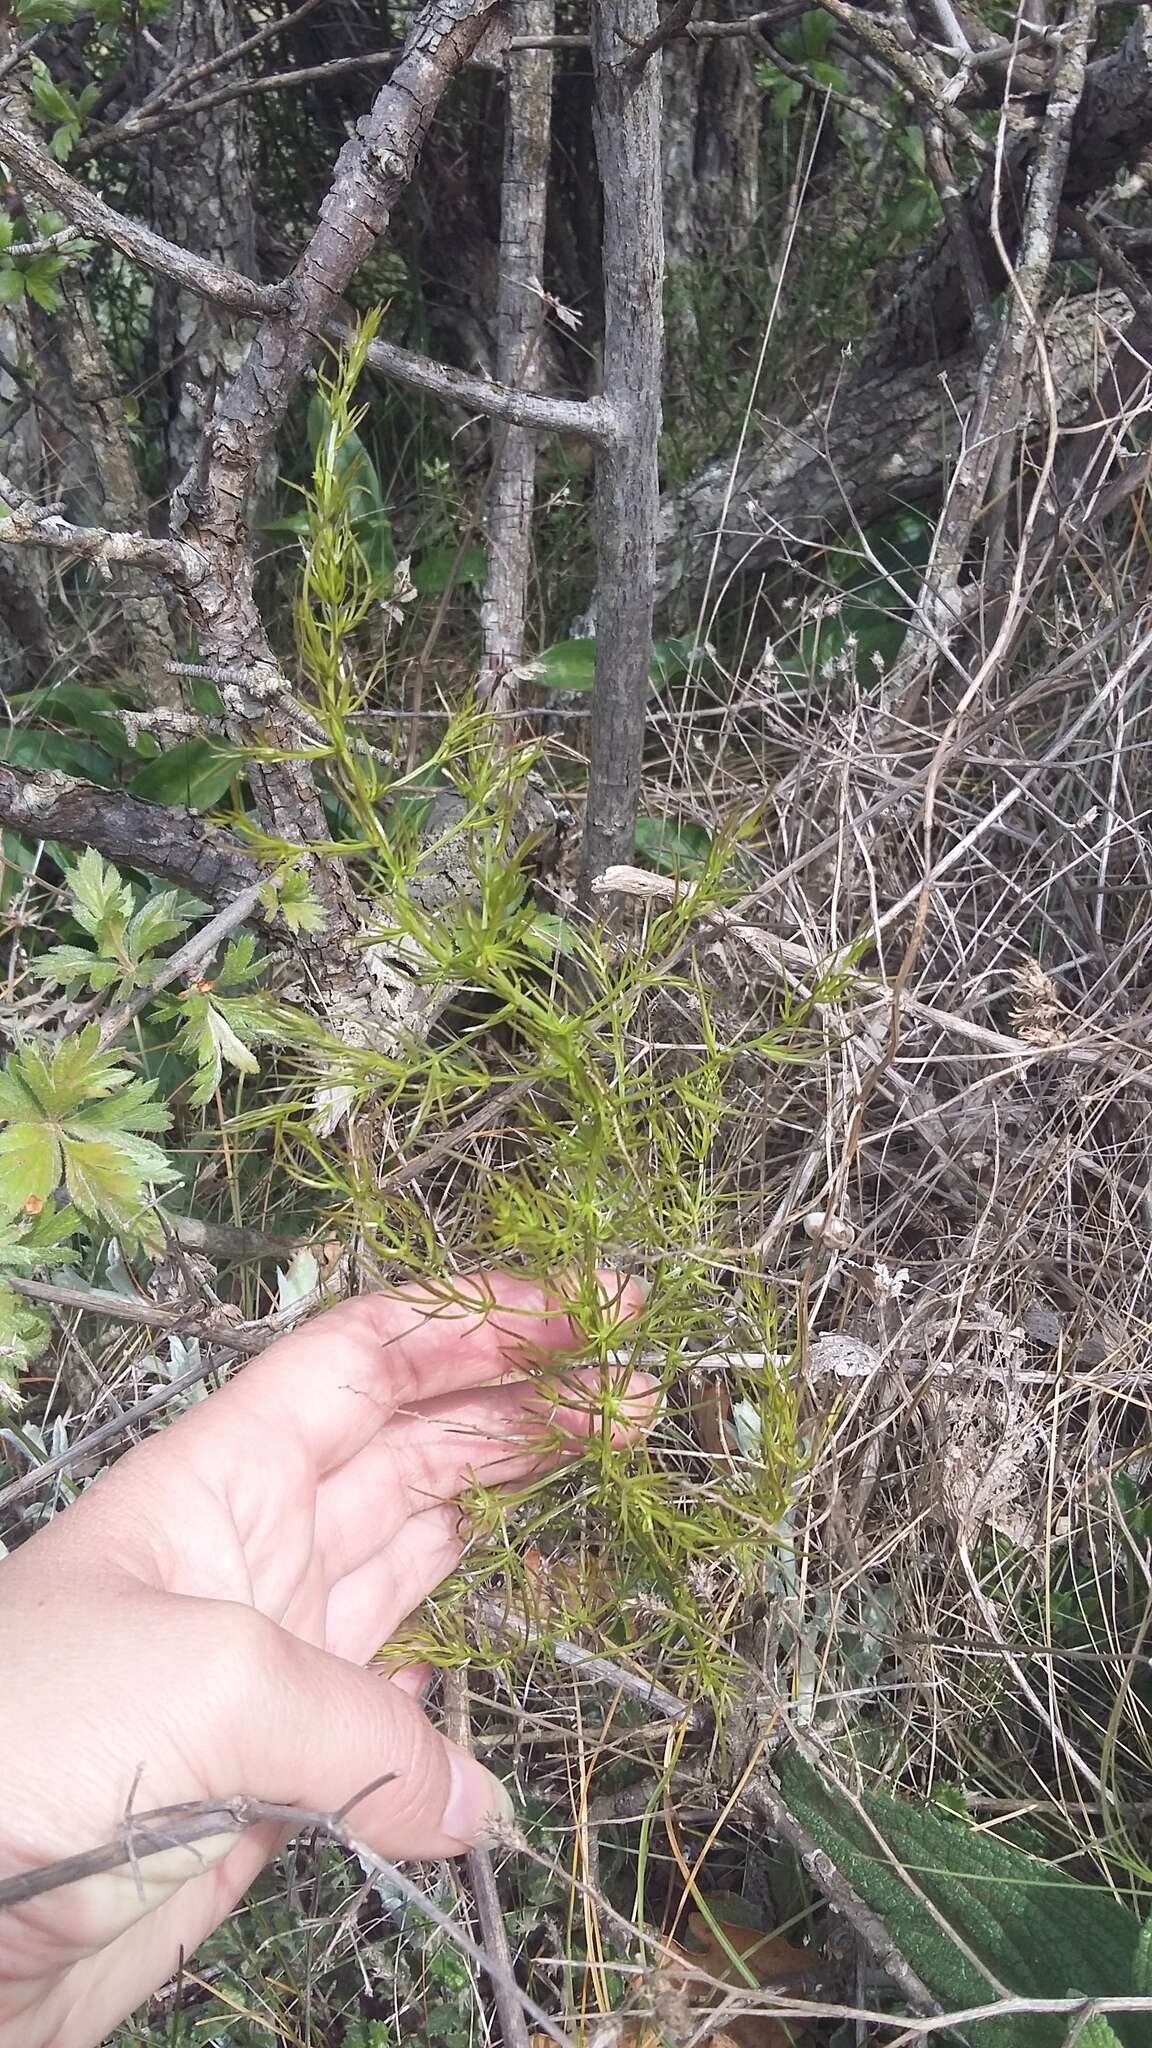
(479, 1806)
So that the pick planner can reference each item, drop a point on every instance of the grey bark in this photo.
(627, 130)
(995, 413)
(519, 319)
(93, 415)
(929, 315)
(886, 438)
(710, 135)
(25, 641)
(201, 198)
(211, 508)
(163, 840)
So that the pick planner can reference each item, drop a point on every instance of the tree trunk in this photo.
(519, 319)
(201, 199)
(627, 127)
(108, 491)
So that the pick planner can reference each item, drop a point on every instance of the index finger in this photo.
(331, 1386)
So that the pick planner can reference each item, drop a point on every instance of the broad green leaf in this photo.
(72, 1112)
(1142, 1961)
(42, 287)
(34, 1240)
(81, 705)
(29, 1165)
(11, 285)
(571, 664)
(1036, 1927)
(566, 665)
(195, 773)
(107, 1177)
(438, 568)
(672, 846)
(35, 750)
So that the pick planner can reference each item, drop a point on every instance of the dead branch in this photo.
(164, 1828)
(627, 127)
(92, 215)
(162, 840)
(884, 437)
(995, 413)
(764, 1798)
(30, 525)
(482, 1880)
(928, 316)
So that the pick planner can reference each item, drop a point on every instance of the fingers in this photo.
(313, 1730)
(321, 1394)
(498, 1436)
(369, 1604)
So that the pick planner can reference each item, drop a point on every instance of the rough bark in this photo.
(627, 129)
(886, 438)
(519, 319)
(710, 141)
(91, 411)
(994, 421)
(201, 197)
(25, 640)
(929, 315)
(163, 840)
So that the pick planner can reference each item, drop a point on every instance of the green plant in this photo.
(1026, 1926)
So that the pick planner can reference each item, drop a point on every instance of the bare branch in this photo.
(627, 126)
(764, 1798)
(31, 525)
(164, 1828)
(590, 418)
(482, 1878)
(519, 321)
(92, 215)
(162, 840)
(995, 412)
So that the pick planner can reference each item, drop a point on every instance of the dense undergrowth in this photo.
(893, 1519)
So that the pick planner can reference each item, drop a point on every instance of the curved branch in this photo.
(93, 216)
(173, 843)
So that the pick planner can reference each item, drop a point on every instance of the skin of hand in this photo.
(198, 1623)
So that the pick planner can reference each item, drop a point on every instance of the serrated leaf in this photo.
(75, 1114)
(210, 1038)
(239, 964)
(24, 1333)
(30, 1165)
(159, 920)
(69, 965)
(108, 1177)
(102, 899)
(33, 1240)
(42, 288)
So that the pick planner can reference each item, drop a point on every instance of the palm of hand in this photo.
(205, 1612)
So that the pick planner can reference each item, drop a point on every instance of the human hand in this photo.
(197, 1626)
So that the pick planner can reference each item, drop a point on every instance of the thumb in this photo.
(322, 1729)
